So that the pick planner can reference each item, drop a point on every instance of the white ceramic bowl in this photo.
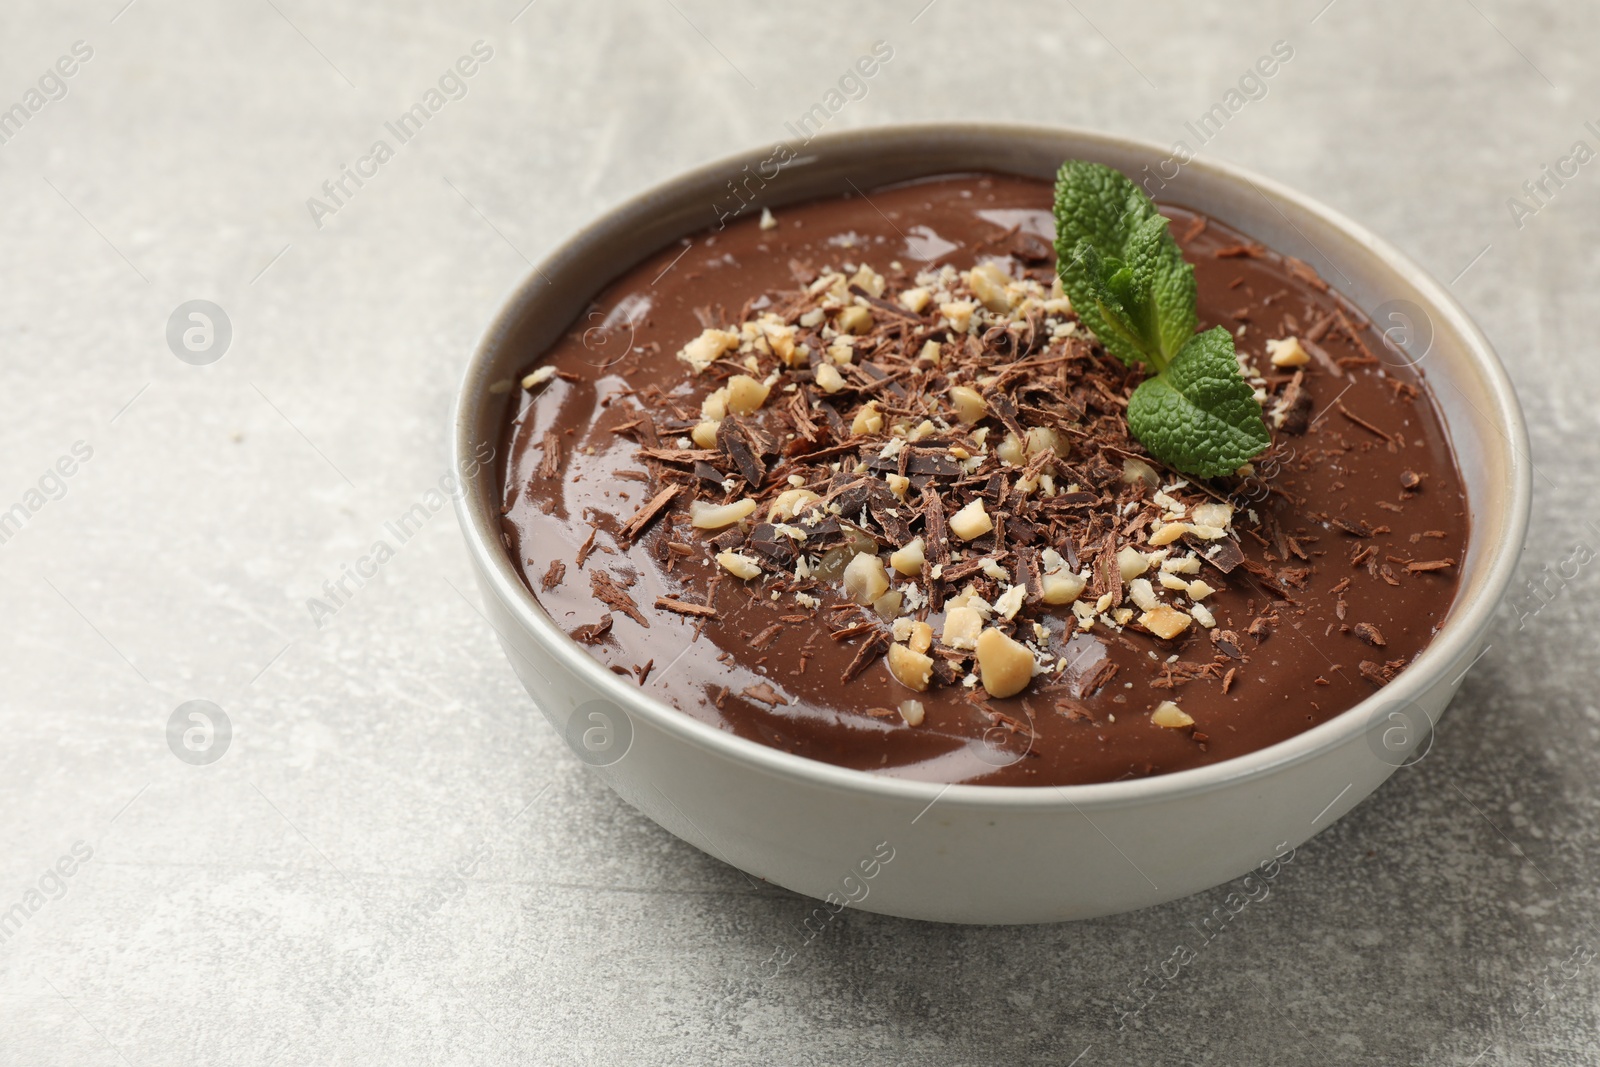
(989, 854)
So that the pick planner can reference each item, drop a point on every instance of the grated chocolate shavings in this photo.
(1369, 633)
(874, 646)
(683, 607)
(594, 631)
(643, 517)
(610, 592)
(550, 458)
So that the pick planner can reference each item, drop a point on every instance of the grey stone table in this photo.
(393, 859)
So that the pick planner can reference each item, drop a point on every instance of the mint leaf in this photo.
(1129, 283)
(1200, 415)
(1134, 257)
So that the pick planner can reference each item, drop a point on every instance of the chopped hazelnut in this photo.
(915, 300)
(707, 348)
(790, 504)
(704, 434)
(738, 564)
(745, 394)
(780, 338)
(704, 515)
(914, 670)
(714, 408)
(1132, 563)
(868, 280)
(930, 352)
(864, 578)
(1218, 515)
(1061, 587)
(909, 559)
(1044, 439)
(989, 284)
(969, 405)
(853, 319)
(1164, 621)
(1288, 353)
(961, 627)
(868, 420)
(1170, 716)
(912, 712)
(539, 377)
(971, 521)
(829, 380)
(1005, 666)
(1007, 604)
(1169, 533)
(959, 312)
(1137, 470)
(898, 484)
(921, 638)
(1143, 594)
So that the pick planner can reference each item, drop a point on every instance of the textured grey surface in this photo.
(293, 902)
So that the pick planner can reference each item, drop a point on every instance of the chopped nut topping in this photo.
(959, 313)
(739, 565)
(914, 670)
(864, 579)
(869, 420)
(971, 521)
(1164, 621)
(707, 348)
(1287, 353)
(1170, 716)
(909, 559)
(705, 516)
(962, 625)
(969, 405)
(745, 394)
(854, 319)
(1004, 665)
(539, 377)
(967, 418)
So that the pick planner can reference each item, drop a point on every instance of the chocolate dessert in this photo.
(857, 481)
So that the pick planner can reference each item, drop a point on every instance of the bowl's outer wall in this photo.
(996, 855)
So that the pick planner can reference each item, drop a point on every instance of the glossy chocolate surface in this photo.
(1337, 492)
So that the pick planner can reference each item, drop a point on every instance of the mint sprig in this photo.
(1129, 283)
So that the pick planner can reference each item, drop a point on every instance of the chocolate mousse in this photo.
(852, 480)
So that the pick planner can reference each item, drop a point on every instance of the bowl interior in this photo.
(1470, 386)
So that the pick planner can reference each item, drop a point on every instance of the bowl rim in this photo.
(1456, 638)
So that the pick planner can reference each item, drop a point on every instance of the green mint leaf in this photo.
(1129, 283)
(1108, 292)
(1135, 259)
(1200, 416)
